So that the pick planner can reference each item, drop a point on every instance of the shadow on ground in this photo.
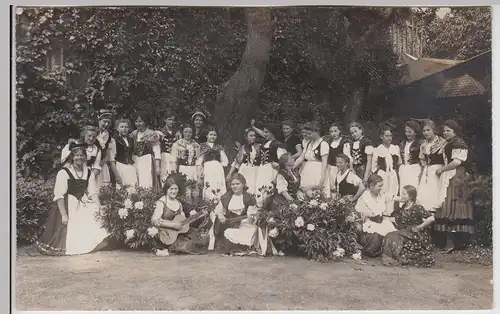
(124, 280)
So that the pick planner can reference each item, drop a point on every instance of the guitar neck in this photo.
(191, 219)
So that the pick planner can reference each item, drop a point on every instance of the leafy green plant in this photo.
(481, 191)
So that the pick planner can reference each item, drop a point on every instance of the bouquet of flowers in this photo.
(323, 229)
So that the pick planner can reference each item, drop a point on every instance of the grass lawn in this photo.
(125, 280)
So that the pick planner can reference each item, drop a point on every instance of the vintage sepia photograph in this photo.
(252, 158)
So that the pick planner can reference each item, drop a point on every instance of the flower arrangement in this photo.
(322, 229)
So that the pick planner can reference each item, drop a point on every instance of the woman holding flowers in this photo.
(314, 174)
(247, 161)
(234, 225)
(185, 152)
(346, 182)
(168, 136)
(287, 192)
(373, 207)
(431, 157)
(211, 162)
(411, 244)
(147, 153)
(72, 227)
(167, 208)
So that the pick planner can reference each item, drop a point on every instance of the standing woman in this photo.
(410, 170)
(199, 132)
(361, 152)
(211, 163)
(314, 174)
(454, 219)
(431, 157)
(72, 227)
(185, 153)
(386, 160)
(147, 153)
(123, 165)
(168, 136)
(293, 144)
(107, 145)
(247, 161)
(271, 151)
(338, 145)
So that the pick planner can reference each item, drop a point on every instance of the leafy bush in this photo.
(481, 189)
(33, 204)
(324, 230)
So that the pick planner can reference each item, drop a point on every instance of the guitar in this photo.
(217, 222)
(185, 222)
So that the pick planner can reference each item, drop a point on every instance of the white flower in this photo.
(131, 190)
(273, 233)
(311, 227)
(139, 205)
(314, 203)
(341, 250)
(351, 218)
(324, 206)
(118, 186)
(130, 234)
(299, 222)
(128, 203)
(193, 212)
(123, 213)
(294, 206)
(356, 256)
(271, 220)
(152, 231)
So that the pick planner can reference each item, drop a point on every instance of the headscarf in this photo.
(105, 114)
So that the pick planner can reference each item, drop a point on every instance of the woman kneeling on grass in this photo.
(234, 225)
(411, 244)
(168, 207)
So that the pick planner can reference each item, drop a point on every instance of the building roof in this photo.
(465, 85)
(419, 68)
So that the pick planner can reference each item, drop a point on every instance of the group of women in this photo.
(408, 186)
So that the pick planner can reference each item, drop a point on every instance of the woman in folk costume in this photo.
(410, 170)
(314, 174)
(168, 136)
(107, 144)
(291, 142)
(93, 152)
(287, 192)
(199, 130)
(185, 153)
(211, 163)
(123, 165)
(147, 153)
(247, 161)
(373, 207)
(431, 157)
(271, 151)
(454, 218)
(386, 160)
(167, 208)
(346, 183)
(72, 227)
(234, 226)
(338, 145)
(361, 152)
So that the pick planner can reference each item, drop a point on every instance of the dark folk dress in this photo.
(405, 246)
(359, 152)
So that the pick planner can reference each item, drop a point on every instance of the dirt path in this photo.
(139, 281)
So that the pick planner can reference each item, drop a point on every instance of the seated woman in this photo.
(411, 244)
(167, 208)
(372, 206)
(347, 183)
(234, 226)
(287, 191)
(72, 227)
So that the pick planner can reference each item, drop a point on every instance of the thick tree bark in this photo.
(240, 94)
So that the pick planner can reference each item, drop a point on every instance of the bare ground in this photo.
(124, 280)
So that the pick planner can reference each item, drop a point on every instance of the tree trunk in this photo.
(239, 95)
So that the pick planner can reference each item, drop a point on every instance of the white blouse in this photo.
(460, 154)
(368, 149)
(280, 151)
(386, 153)
(349, 176)
(282, 183)
(346, 150)
(370, 206)
(406, 152)
(61, 185)
(224, 161)
(236, 205)
(324, 149)
(91, 152)
(156, 145)
(103, 138)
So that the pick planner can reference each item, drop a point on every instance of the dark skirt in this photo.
(192, 242)
(407, 247)
(53, 240)
(456, 215)
(222, 244)
(286, 243)
(372, 244)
